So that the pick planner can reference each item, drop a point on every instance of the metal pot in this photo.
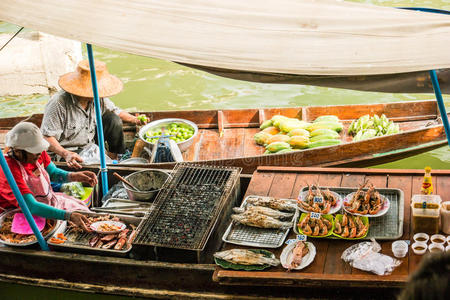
(152, 125)
(149, 182)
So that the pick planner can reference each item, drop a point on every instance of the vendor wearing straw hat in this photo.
(32, 169)
(69, 121)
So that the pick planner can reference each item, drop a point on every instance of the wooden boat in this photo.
(328, 276)
(226, 136)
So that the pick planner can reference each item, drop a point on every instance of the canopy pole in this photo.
(440, 101)
(23, 206)
(98, 116)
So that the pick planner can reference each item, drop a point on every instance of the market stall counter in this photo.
(328, 269)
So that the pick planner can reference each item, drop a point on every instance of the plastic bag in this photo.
(91, 155)
(74, 189)
(116, 191)
(365, 256)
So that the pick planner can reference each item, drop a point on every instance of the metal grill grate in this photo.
(187, 207)
(387, 227)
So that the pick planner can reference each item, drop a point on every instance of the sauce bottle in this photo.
(427, 184)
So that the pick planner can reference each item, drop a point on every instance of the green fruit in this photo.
(326, 125)
(261, 138)
(322, 143)
(299, 142)
(299, 131)
(277, 146)
(324, 131)
(323, 137)
(266, 124)
(285, 151)
(327, 118)
(277, 119)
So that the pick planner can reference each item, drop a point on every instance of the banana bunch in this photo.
(367, 127)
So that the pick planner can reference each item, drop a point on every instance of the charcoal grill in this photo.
(183, 225)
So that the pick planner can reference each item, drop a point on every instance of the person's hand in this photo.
(141, 120)
(87, 177)
(73, 160)
(81, 221)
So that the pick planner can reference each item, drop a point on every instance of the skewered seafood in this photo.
(315, 227)
(326, 198)
(365, 202)
(11, 237)
(246, 257)
(295, 259)
(261, 221)
(274, 203)
(351, 227)
(262, 210)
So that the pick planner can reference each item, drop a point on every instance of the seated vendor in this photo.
(32, 169)
(69, 121)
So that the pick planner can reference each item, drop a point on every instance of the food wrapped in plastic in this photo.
(365, 256)
(74, 189)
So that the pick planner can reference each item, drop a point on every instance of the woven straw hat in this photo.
(79, 82)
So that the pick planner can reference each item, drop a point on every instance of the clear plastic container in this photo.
(399, 248)
(445, 217)
(425, 213)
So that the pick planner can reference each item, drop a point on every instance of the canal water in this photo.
(152, 84)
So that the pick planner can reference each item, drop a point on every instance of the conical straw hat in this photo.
(79, 82)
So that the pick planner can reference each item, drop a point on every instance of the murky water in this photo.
(152, 84)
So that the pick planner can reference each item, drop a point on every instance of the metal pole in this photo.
(22, 204)
(98, 116)
(440, 101)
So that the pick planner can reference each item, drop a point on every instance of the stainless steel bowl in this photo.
(158, 123)
(17, 210)
(149, 182)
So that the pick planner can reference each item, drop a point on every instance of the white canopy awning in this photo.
(311, 37)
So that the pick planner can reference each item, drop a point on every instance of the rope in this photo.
(11, 38)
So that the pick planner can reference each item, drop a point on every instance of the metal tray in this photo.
(10, 212)
(386, 227)
(73, 244)
(243, 235)
(117, 202)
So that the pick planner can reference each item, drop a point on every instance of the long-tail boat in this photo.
(225, 137)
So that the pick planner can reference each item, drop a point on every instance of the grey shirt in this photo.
(71, 125)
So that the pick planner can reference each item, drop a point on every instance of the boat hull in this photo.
(225, 137)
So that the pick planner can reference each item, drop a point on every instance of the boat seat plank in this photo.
(231, 144)
(208, 148)
(282, 185)
(250, 147)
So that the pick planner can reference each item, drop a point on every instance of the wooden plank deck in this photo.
(328, 269)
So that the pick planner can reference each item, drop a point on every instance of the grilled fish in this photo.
(262, 210)
(246, 257)
(274, 203)
(261, 221)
